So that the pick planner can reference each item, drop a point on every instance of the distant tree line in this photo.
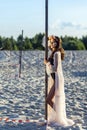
(74, 43)
(69, 43)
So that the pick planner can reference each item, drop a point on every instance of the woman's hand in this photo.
(45, 61)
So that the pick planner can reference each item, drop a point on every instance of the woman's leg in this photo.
(51, 95)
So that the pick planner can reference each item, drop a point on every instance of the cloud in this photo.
(62, 28)
(67, 25)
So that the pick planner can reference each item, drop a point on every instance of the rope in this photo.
(7, 120)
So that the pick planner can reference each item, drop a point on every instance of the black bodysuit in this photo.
(51, 60)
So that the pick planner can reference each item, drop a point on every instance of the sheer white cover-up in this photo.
(58, 116)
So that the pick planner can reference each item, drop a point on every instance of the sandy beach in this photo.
(22, 99)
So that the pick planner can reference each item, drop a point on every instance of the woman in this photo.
(58, 114)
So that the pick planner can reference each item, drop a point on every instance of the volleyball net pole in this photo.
(46, 54)
(20, 56)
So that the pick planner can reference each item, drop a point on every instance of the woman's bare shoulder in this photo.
(57, 52)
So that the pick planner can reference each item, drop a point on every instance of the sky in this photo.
(65, 17)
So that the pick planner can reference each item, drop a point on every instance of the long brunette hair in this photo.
(57, 44)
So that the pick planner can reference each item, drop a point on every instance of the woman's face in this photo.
(50, 46)
(50, 42)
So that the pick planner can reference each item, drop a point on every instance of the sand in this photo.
(22, 99)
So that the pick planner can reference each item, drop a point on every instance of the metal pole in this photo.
(46, 53)
(20, 55)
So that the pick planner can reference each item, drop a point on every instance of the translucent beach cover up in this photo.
(58, 116)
